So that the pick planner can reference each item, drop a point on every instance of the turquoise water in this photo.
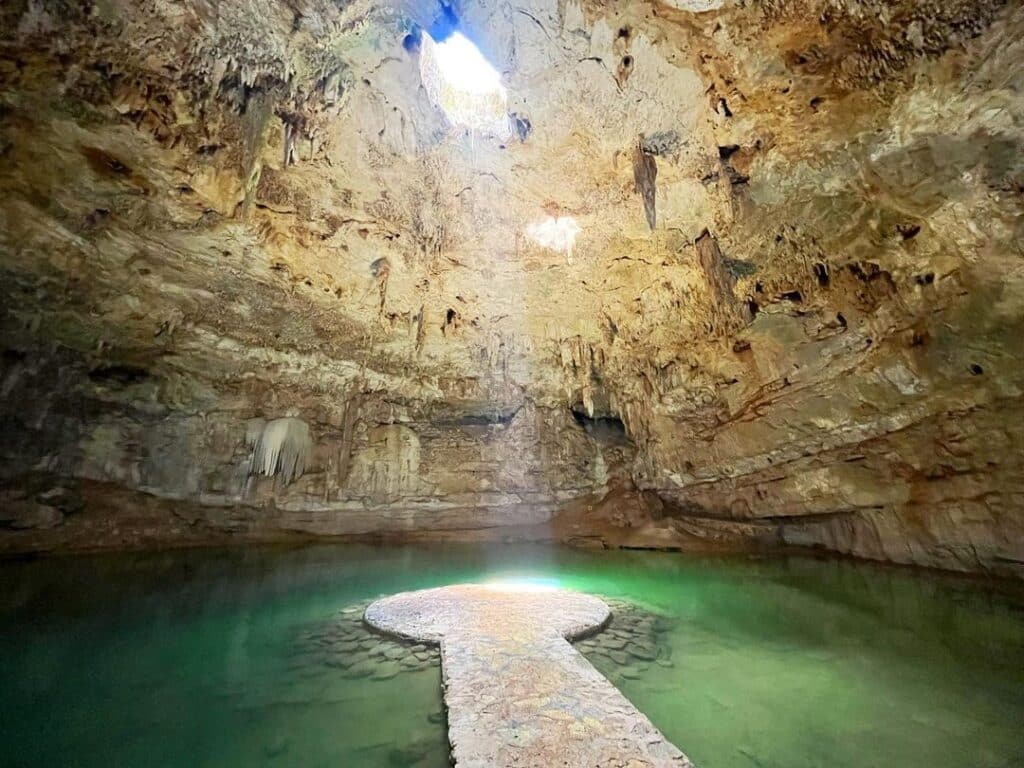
(190, 659)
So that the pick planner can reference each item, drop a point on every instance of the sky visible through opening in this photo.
(465, 68)
(463, 83)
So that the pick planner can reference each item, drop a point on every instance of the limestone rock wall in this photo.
(375, 466)
(791, 315)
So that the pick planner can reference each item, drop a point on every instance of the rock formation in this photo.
(791, 312)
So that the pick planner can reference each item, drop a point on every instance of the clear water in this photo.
(188, 659)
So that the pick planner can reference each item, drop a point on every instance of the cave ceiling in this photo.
(799, 227)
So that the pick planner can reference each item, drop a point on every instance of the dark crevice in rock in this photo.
(119, 374)
(821, 273)
(488, 419)
(602, 427)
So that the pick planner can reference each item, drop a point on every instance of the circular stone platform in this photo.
(517, 693)
(432, 614)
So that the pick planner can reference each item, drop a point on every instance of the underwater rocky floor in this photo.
(259, 657)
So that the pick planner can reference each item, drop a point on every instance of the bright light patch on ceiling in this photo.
(464, 84)
(557, 234)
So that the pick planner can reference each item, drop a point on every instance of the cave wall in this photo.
(871, 406)
(791, 316)
(104, 437)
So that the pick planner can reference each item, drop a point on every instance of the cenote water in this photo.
(195, 659)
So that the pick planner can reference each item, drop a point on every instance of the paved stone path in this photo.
(517, 693)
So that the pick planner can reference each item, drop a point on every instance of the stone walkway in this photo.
(517, 693)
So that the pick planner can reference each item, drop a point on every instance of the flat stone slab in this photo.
(517, 693)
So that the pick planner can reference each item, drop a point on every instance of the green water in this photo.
(189, 659)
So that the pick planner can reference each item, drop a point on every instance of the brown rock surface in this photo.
(793, 313)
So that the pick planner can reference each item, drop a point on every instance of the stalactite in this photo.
(280, 447)
(645, 173)
(348, 429)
